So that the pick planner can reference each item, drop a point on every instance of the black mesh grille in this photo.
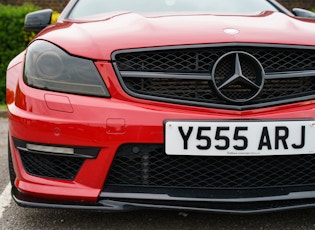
(279, 90)
(202, 91)
(148, 165)
(57, 167)
(202, 60)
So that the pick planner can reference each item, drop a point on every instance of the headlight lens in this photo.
(49, 67)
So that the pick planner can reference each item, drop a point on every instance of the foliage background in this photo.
(57, 5)
(306, 4)
(13, 38)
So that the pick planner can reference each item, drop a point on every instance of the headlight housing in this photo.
(50, 68)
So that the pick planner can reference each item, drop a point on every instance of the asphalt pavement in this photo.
(3, 114)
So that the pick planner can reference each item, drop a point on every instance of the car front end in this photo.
(200, 112)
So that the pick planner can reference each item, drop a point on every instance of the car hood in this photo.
(97, 38)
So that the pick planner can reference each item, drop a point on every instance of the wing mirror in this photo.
(303, 13)
(38, 20)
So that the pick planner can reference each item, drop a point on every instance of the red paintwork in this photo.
(108, 123)
(97, 39)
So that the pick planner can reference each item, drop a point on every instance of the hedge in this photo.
(13, 38)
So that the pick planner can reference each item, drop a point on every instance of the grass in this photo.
(3, 107)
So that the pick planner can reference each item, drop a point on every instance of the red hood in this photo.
(97, 39)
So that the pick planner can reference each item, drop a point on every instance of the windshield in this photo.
(91, 7)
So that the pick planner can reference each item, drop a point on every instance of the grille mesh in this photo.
(201, 62)
(57, 167)
(203, 91)
(148, 165)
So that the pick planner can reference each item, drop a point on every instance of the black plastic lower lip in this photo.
(125, 204)
(27, 201)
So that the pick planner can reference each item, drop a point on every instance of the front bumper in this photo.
(49, 118)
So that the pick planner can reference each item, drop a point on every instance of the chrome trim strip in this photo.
(79, 151)
(139, 74)
(207, 76)
(144, 196)
(296, 74)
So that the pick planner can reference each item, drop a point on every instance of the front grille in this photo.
(183, 75)
(56, 167)
(148, 166)
(201, 60)
(201, 91)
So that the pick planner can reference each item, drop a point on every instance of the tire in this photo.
(11, 167)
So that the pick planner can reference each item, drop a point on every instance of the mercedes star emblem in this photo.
(238, 77)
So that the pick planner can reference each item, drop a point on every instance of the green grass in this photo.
(3, 107)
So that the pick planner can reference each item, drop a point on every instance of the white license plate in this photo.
(239, 138)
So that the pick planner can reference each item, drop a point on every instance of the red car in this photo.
(204, 105)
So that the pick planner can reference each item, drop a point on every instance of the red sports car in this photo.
(204, 105)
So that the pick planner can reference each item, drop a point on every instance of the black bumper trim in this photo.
(110, 204)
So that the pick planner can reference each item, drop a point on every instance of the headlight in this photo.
(49, 67)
